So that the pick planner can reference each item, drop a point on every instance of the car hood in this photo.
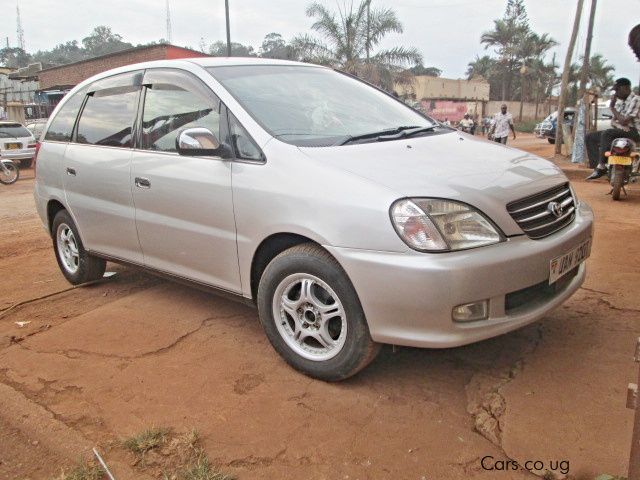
(457, 166)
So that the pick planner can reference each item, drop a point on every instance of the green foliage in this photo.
(349, 40)
(147, 440)
(219, 49)
(520, 70)
(202, 469)
(84, 471)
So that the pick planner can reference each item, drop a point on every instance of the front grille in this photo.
(534, 216)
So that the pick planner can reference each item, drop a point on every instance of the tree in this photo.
(61, 54)
(349, 37)
(103, 41)
(428, 71)
(274, 46)
(219, 49)
(14, 57)
(505, 38)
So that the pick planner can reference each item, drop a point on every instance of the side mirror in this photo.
(200, 141)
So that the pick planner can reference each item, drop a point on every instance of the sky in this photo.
(447, 32)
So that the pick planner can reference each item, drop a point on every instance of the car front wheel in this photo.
(76, 264)
(312, 316)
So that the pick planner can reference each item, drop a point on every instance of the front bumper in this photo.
(408, 297)
(22, 154)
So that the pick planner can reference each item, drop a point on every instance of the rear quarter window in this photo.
(62, 124)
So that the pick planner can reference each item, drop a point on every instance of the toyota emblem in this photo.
(555, 209)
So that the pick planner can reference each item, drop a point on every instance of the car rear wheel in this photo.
(76, 264)
(26, 163)
(312, 316)
(551, 140)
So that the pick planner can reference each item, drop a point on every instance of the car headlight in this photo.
(436, 225)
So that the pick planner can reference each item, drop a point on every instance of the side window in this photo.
(62, 125)
(243, 145)
(173, 102)
(107, 117)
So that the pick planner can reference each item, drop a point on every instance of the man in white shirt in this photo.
(501, 124)
(625, 107)
(466, 124)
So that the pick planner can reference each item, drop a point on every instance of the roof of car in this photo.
(9, 123)
(237, 61)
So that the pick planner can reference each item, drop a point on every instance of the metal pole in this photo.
(632, 402)
(226, 12)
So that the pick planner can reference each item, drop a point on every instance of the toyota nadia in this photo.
(348, 218)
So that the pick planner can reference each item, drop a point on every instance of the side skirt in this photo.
(236, 297)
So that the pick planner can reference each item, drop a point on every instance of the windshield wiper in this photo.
(407, 133)
(380, 133)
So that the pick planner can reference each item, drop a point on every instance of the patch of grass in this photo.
(84, 471)
(201, 469)
(148, 440)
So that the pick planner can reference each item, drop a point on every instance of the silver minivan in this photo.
(349, 219)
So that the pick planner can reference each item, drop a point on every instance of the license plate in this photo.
(616, 160)
(12, 146)
(567, 262)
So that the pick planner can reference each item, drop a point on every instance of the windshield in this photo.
(14, 130)
(311, 106)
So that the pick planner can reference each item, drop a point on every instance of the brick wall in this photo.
(75, 73)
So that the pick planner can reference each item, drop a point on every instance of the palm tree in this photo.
(600, 73)
(349, 38)
(505, 38)
(530, 52)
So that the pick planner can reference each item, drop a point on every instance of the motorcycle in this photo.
(623, 165)
(9, 172)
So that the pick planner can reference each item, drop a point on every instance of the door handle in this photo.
(142, 182)
(71, 171)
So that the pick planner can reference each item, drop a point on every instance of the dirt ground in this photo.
(99, 363)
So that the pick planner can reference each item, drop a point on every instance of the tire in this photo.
(12, 175)
(26, 163)
(552, 141)
(76, 264)
(617, 179)
(327, 290)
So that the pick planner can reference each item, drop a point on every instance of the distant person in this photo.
(466, 124)
(474, 119)
(486, 125)
(447, 122)
(625, 108)
(501, 124)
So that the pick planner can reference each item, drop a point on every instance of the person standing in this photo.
(625, 108)
(501, 124)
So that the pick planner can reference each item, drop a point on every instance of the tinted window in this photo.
(107, 117)
(243, 145)
(173, 103)
(13, 130)
(62, 124)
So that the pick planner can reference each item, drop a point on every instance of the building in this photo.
(446, 98)
(56, 81)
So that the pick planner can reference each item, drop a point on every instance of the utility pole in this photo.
(565, 76)
(582, 123)
(367, 46)
(226, 11)
(19, 30)
(168, 34)
(584, 73)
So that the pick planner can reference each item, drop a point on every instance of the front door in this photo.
(184, 205)
(97, 166)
